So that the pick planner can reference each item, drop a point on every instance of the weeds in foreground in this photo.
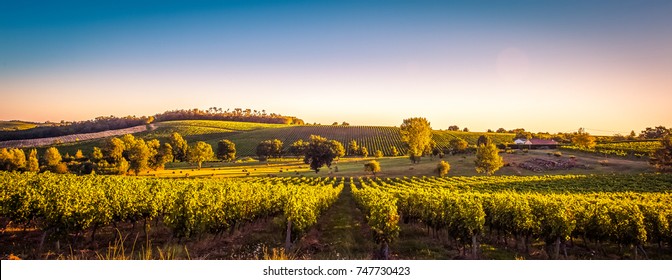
(276, 254)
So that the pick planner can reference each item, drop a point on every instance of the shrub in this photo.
(442, 168)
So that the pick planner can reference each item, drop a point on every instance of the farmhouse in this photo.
(534, 143)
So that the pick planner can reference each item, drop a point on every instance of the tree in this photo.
(442, 168)
(162, 156)
(458, 145)
(321, 152)
(465, 129)
(353, 148)
(657, 132)
(113, 149)
(33, 164)
(453, 128)
(298, 148)
(336, 148)
(52, 157)
(200, 152)
(79, 156)
(345, 123)
(96, 155)
(521, 133)
(378, 154)
(429, 149)
(276, 148)
(395, 152)
(632, 135)
(372, 166)
(335, 123)
(19, 161)
(179, 145)
(226, 150)
(416, 133)
(583, 139)
(128, 140)
(483, 140)
(364, 151)
(662, 158)
(12, 159)
(264, 149)
(488, 159)
(138, 156)
(501, 130)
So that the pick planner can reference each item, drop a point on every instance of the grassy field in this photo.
(461, 165)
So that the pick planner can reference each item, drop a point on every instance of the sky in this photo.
(550, 66)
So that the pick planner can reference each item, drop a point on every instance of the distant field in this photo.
(247, 135)
(16, 125)
(49, 141)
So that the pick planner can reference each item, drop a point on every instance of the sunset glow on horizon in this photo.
(542, 66)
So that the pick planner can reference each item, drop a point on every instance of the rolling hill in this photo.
(247, 135)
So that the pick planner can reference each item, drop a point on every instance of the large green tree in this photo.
(226, 150)
(269, 148)
(458, 145)
(276, 148)
(416, 133)
(488, 159)
(12, 159)
(662, 158)
(321, 152)
(179, 145)
(200, 152)
(298, 148)
(113, 149)
(52, 156)
(163, 155)
(264, 149)
(138, 156)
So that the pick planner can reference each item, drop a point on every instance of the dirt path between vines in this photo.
(340, 233)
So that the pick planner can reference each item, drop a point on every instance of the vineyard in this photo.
(374, 138)
(626, 210)
(66, 207)
(559, 216)
(632, 148)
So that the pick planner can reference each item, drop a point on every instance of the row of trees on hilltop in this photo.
(237, 114)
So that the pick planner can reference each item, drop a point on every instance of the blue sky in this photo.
(541, 65)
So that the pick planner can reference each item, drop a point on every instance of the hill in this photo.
(247, 135)
(16, 125)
